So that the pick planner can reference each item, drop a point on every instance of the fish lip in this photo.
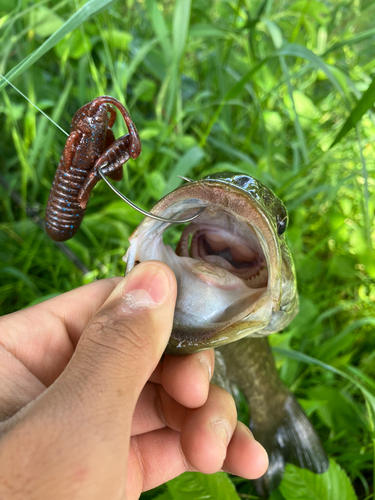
(233, 199)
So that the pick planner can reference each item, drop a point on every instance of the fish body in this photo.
(236, 285)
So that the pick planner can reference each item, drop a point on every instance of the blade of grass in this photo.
(172, 85)
(332, 347)
(304, 358)
(292, 49)
(139, 57)
(363, 105)
(43, 142)
(232, 152)
(277, 39)
(366, 197)
(181, 21)
(21, 276)
(160, 28)
(233, 92)
(300, 21)
(89, 9)
(297, 125)
(20, 147)
(288, 49)
(188, 161)
(351, 41)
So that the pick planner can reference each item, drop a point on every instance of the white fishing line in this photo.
(35, 106)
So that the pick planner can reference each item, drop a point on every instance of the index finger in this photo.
(43, 337)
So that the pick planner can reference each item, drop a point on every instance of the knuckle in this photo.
(109, 332)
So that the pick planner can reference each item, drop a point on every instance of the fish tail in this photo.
(291, 440)
(276, 419)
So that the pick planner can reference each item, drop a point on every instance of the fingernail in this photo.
(222, 431)
(147, 284)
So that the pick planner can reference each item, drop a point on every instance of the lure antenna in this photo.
(147, 214)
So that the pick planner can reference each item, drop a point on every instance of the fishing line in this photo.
(35, 106)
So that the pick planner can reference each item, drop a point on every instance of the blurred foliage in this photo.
(213, 85)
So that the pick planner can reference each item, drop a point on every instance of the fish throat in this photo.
(242, 256)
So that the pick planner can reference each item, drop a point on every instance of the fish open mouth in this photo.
(240, 255)
(224, 264)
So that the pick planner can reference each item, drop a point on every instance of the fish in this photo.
(236, 285)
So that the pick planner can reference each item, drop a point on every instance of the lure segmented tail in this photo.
(64, 214)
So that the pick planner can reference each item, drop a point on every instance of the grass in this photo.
(262, 88)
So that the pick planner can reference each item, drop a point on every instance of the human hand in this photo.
(88, 412)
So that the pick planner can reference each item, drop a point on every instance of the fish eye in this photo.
(281, 226)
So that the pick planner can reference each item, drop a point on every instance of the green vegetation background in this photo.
(213, 85)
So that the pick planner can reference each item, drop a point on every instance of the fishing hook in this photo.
(147, 214)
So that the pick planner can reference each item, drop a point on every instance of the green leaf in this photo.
(314, 8)
(351, 41)
(74, 46)
(155, 184)
(145, 90)
(292, 49)
(160, 28)
(189, 160)
(299, 356)
(305, 108)
(303, 484)
(363, 105)
(117, 39)
(89, 9)
(333, 346)
(181, 20)
(197, 486)
(45, 21)
(139, 58)
(207, 31)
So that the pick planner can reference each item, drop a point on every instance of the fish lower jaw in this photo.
(209, 297)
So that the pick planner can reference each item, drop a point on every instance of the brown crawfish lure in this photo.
(91, 145)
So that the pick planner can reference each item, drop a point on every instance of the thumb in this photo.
(124, 341)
